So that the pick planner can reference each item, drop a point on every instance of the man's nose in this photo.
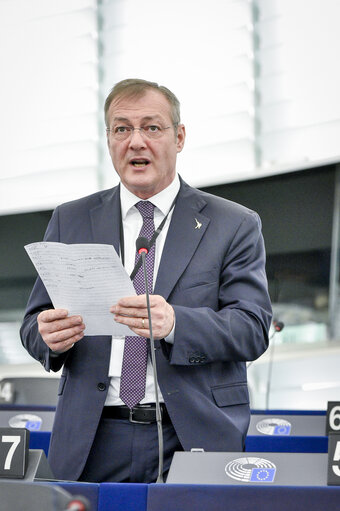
(137, 141)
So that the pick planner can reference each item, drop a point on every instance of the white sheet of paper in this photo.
(85, 279)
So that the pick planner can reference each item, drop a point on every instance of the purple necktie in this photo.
(133, 377)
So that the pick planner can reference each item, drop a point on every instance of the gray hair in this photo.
(135, 87)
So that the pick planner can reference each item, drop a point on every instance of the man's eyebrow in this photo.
(121, 119)
(147, 118)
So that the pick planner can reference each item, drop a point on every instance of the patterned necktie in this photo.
(133, 377)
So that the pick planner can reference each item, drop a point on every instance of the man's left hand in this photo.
(132, 311)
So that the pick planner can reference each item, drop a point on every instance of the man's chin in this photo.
(141, 186)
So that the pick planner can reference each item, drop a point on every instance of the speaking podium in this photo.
(255, 468)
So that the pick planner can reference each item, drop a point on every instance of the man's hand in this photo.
(132, 311)
(58, 330)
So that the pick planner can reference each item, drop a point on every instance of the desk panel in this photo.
(294, 431)
(31, 418)
(123, 497)
(183, 497)
(244, 469)
(287, 425)
(40, 440)
(287, 444)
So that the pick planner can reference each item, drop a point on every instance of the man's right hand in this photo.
(60, 331)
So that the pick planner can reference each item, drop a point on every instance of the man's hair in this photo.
(135, 87)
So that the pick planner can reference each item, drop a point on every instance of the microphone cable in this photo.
(143, 247)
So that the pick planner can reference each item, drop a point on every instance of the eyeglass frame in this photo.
(131, 129)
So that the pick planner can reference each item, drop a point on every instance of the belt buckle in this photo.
(131, 419)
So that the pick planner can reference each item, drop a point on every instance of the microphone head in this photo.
(142, 245)
(78, 503)
(278, 325)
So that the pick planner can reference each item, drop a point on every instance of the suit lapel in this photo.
(106, 219)
(185, 232)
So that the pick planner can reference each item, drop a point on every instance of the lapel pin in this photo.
(198, 224)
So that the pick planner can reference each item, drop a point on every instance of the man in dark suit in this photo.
(210, 308)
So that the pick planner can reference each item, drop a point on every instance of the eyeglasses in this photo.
(152, 132)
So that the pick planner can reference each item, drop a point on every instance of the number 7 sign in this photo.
(13, 452)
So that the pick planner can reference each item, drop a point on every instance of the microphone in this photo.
(78, 503)
(143, 247)
(278, 326)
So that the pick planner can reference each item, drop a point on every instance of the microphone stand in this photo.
(278, 327)
(153, 359)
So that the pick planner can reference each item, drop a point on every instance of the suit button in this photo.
(192, 360)
(101, 386)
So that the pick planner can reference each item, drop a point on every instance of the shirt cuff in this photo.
(171, 337)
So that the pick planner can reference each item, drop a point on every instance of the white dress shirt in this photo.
(132, 224)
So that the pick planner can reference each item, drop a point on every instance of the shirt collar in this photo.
(161, 200)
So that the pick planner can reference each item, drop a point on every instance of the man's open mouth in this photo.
(139, 163)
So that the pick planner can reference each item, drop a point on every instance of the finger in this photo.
(60, 330)
(64, 324)
(136, 305)
(65, 334)
(62, 346)
(132, 301)
(132, 322)
(130, 311)
(52, 315)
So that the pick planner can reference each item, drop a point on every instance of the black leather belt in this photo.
(139, 414)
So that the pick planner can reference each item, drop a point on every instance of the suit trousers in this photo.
(127, 452)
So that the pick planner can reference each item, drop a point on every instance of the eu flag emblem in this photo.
(33, 425)
(282, 430)
(262, 475)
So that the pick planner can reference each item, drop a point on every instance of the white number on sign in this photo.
(333, 417)
(6, 392)
(336, 457)
(15, 441)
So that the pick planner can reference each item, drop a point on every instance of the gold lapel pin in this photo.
(198, 224)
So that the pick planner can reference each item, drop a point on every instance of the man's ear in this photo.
(180, 138)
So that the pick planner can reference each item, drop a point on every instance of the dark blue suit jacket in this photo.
(214, 277)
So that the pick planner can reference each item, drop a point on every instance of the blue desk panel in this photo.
(286, 443)
(40, 440)
(184, 497)
(236, 498)
(122, 497)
